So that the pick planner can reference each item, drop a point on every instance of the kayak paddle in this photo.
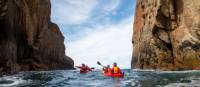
(99, 63)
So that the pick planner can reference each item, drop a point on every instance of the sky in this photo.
(96, 30)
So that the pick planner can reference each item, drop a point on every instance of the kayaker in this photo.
(84, 68)
(116, 69)
(107, 69)
(111, 72)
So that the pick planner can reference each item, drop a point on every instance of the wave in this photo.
(193, 83)
(8, 81)
(131, 83)
(159, 71)
(186, 71)
(143, 70)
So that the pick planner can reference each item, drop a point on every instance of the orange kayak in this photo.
(121, 75)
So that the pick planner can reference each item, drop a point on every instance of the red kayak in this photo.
(121, 75)
(83, 72)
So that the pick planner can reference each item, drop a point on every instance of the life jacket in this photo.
(116, 70)
(84, 68)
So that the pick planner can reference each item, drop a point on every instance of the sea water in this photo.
(132, 78)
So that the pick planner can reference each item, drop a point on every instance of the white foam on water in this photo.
(147, 70)
(159, 71)
(131, 82)
(15, 81)
(187, 71)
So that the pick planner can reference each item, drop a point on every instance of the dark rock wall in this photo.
(28, 39)
(167, 35)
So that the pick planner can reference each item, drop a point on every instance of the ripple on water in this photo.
(131, 83)
(65, 78)
(8, 81)
(193, 83)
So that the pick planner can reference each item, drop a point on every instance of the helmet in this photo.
(115, 64)
(83, 64)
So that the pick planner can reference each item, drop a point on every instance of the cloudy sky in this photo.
(96, 30)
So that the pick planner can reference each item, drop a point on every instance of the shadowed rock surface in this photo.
(28, 39)
(167, 35)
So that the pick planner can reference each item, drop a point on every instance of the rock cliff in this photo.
(28, 39)
(167, 35)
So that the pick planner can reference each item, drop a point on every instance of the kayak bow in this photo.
(83, 72)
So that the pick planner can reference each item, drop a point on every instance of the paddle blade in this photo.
(98, 63)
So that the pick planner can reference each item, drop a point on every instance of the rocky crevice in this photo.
(162, 34)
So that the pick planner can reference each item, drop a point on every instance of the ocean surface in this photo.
(72, 78)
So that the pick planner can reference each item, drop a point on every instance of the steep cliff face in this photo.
(28, 39)
(167, 35)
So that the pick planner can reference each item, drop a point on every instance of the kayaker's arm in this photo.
(90, 69)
